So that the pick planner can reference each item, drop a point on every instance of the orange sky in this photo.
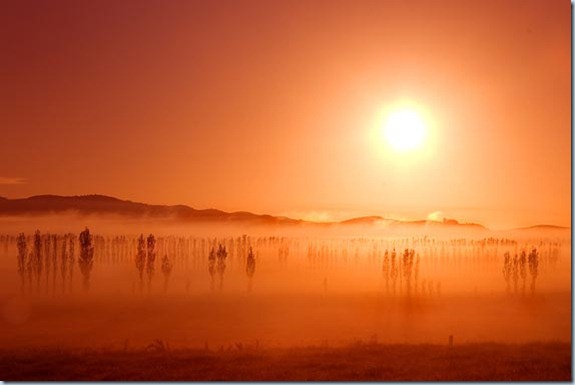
(270, 106)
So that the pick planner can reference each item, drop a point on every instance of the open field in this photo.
(358, 362)
(283, 320)
(366, 190)
(315, 308)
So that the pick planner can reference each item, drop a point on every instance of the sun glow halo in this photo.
(405, 129)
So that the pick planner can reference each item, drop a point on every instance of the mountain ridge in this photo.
(98, 204)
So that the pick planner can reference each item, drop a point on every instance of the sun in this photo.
(405, 129)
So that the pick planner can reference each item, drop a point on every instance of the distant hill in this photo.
(86, 205)
(544, 227)
(419, 223)
(105, 205)
(362, 220)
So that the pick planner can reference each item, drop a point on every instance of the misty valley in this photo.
(69, 289)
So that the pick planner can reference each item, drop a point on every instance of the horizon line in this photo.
(341, 221)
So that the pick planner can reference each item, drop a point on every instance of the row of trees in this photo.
(43, 258)
(438, 256)
(217, 264)
(47, 255)
(515, 269)
(146, 257)
(322, 253)
(52, 258)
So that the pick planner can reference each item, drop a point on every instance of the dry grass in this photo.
(359, 362)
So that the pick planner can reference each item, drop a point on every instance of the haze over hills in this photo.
(86, 205)
(106, 205)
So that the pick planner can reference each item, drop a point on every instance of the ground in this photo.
(358, 362)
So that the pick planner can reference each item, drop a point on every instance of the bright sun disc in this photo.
(405, 129)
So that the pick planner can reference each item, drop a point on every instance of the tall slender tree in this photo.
(151, 258)
(86, 260)
(141, 260)
(37, 258)
(250, 267)
(167, 267)
(22, 252)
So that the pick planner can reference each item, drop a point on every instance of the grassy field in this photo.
(282, 320)
(358, 362)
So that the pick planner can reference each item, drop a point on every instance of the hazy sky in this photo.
(271, 106)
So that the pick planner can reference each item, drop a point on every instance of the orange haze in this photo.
(269, 106)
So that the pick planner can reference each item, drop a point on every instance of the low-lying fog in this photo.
(310, 285)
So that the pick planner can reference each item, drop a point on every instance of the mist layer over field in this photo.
(311, 287)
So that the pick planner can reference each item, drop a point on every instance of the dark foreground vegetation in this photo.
(358, 362)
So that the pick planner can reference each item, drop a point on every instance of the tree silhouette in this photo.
(166, 270)
(64, 262)
(250, 268)
(22, 252)
(393, 269)
(71, 258)
(212, 267)
(86, 259)
(386, 269)
(221, 265)
(523, 270)
(507, 270)
(141, 260)
(533, 267)
(151, 242)
(37, 265)
(515, 271)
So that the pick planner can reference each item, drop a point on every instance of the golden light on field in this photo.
(405, 129)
